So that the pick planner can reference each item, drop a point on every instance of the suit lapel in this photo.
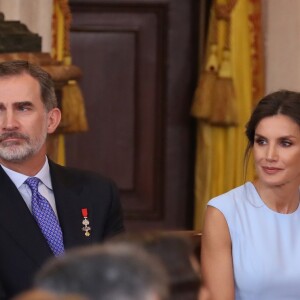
(16, 219)
(69, 203)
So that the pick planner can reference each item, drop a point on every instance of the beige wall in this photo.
(282, 44)
(36, 14)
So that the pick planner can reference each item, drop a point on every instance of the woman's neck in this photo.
(282, 199)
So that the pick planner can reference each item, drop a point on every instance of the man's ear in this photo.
(54, 117)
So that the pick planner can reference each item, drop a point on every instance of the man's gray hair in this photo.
(106, 272)
(19, 67)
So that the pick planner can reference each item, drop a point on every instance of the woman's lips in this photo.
(271, 170)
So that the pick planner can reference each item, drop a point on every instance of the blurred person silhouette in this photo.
(176, 252)
(44, 207)
(106, 272)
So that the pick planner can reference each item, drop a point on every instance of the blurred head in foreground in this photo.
(110, 272)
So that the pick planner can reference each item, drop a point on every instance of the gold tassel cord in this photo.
(74, 117)
(202, 102)
(224, 110)
(73, 107)
(201, 107)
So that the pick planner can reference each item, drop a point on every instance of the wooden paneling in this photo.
(139, 60)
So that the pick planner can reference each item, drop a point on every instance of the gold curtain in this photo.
(230, 83)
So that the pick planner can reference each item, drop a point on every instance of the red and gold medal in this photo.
(85, 222)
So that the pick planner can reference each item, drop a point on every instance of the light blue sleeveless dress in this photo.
(265, 246)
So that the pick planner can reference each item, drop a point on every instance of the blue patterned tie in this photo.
(45, 217)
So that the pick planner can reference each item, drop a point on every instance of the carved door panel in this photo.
(139, 63)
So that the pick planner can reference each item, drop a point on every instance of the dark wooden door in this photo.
(139, 63)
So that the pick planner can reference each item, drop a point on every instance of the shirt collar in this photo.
(19, 178)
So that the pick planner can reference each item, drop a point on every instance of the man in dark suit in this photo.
(84, 207)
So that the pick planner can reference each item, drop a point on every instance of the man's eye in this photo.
(24, 107)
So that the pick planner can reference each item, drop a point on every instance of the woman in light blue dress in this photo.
(251, 236)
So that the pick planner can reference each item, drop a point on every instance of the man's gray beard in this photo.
(20, 152)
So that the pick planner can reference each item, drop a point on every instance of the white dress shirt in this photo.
(45, 187)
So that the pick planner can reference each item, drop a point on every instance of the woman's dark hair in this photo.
(282, 102)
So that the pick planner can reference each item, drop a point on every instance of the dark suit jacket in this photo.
(23, 248)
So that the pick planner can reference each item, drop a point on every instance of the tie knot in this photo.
(33, 183)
